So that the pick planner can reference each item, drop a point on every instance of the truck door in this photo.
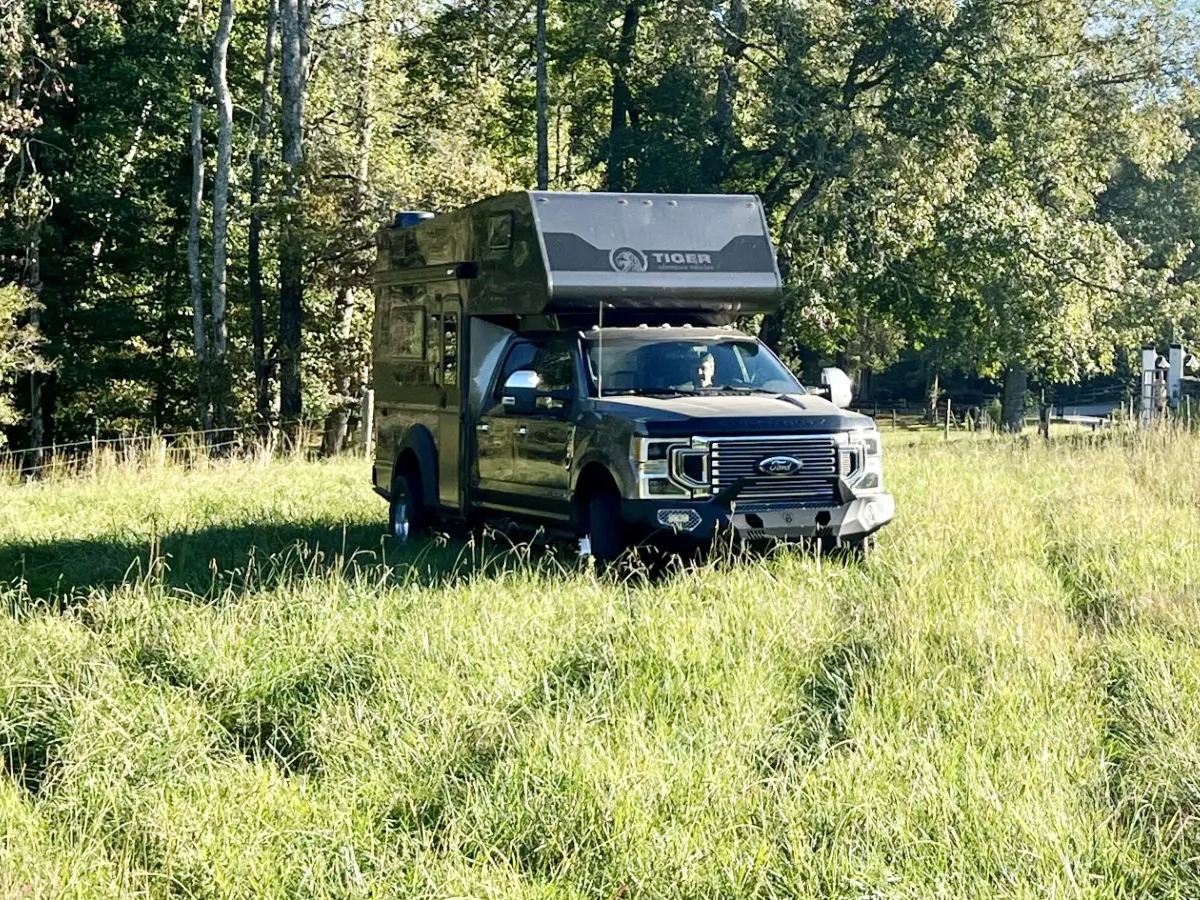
(543, 438)
(495, 433)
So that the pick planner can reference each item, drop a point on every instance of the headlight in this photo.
(861, 461)
(648, 450)
(667, 467)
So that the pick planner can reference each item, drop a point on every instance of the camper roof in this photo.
(545, 252)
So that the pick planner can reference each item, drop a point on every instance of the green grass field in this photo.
(219, 682)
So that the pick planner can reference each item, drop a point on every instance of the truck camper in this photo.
(570, 360)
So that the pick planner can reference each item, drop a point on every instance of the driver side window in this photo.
(520, 356)
(556, 367)
(553, 361)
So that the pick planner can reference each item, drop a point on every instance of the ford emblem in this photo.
(780, 465)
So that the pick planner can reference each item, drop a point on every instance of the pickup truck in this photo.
(571, 361)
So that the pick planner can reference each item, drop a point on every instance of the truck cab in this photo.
(571, 360)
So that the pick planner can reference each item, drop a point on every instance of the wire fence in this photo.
(73, 458)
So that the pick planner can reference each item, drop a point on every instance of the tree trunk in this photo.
(199, 326)
(1016, 384)
(262, 383)
(810, 365)
(220, 365)
(618, 132)
(543, 121)
(37, 413)
(337, 423)
(715, 161)
(291, 254)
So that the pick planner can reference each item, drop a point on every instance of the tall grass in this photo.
(221, 681)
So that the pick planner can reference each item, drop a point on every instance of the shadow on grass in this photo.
(255, 556)
(212, 562)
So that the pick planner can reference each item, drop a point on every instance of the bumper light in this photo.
(679, 519)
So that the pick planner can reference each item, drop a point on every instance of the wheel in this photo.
(406, 517)
(602, 527)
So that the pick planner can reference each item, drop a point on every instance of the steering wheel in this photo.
(621, 379)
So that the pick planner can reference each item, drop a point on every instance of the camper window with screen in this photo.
(405, 332)
(500, 231)
(450, 350)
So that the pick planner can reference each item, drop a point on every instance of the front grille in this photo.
(814, 484)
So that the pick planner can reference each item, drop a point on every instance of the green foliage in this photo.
(943, 170)
(988, 184)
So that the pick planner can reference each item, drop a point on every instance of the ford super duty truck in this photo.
(569, 360)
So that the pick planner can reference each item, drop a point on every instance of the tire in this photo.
(406, 512)
(603, 526)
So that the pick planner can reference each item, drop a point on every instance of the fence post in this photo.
(893, 419)
(948, 414)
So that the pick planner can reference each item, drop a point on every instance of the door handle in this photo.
(484, 428)
(522, 431)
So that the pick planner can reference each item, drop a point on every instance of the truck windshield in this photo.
(679, 364)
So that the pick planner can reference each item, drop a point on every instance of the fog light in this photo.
(679, 519)
(870, 480)
(661, 487)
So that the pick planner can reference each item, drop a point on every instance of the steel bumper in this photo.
(694, 522)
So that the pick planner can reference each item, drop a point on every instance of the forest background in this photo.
(189, 191)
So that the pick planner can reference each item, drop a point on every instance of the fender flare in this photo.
(419, 441)
(594, 457)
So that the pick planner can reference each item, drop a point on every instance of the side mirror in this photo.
(520, 392)
(837, 387)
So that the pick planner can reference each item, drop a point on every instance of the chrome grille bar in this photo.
(814, 484)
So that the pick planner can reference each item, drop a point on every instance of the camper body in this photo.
(569, 360)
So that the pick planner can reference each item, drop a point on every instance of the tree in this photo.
(291, 245)
(933, 171)
(543, 123)
(195, 275)
(346, 362)
(220, 345)
(262, 386)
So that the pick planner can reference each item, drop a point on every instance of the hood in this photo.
(732, 414)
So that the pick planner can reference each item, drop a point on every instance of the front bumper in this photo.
(695, 522)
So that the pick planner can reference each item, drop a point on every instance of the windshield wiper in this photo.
(645, 392)
(741, 389)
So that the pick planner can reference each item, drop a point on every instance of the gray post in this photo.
(1149, 361)
(1175, 376)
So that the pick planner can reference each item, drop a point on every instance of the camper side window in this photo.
(499, 232)
(433, 346)
(450, 350)
(406, 331)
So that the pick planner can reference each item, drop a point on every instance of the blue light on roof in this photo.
(407, 218)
